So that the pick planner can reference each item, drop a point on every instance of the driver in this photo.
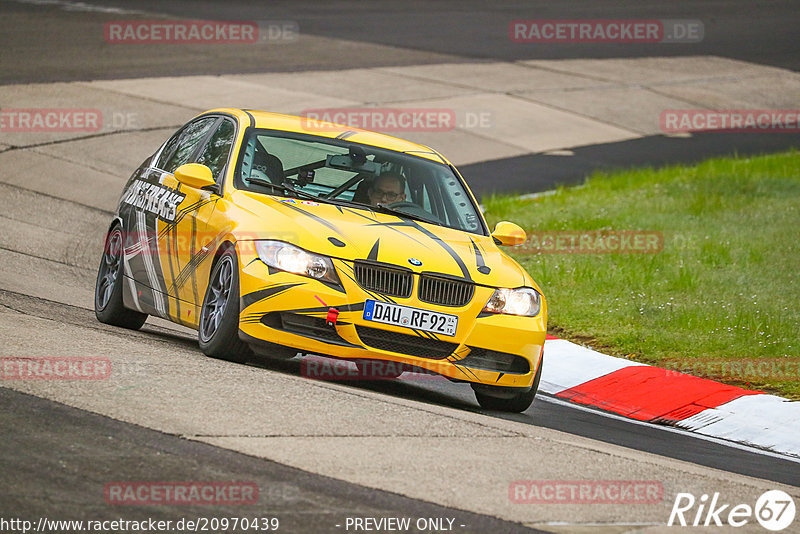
(387, 188)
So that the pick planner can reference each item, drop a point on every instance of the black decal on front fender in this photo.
(261, 294)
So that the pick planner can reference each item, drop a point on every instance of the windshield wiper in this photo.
(286, 187)
(296, 192)
(383, 208)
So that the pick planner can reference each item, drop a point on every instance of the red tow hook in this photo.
(333, 314)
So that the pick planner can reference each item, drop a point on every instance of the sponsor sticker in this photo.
(300, 202)
(154, 198)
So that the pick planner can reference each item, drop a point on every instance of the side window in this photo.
(190, 138)
(217, 151)
(169, 149)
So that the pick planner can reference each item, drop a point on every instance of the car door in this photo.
(190, 241)
(162, 207)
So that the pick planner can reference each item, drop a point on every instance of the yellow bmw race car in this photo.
(273, 235)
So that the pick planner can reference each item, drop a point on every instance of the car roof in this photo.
(297, 124)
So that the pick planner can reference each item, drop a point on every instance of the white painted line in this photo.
(81, 6)
(612, 524)
(712, 439)
(761, 420)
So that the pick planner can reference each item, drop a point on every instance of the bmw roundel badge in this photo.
(415, 262)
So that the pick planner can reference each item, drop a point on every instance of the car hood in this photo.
(351, 234)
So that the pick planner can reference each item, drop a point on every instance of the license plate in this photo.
(416, 318)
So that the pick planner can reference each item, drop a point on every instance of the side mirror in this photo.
(508, 233)
(196, 175)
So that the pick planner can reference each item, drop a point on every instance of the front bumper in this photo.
(290, 310)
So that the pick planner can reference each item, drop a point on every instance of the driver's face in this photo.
(386, 191)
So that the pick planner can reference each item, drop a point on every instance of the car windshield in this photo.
(362, 176)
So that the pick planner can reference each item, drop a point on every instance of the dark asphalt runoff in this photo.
(540, 172)
(49, 43)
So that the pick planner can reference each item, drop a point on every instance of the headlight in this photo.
(293, 259)
(522, 301)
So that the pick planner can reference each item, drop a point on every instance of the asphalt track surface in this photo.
(56, 42)
(302, 502)
(56, 458)
(546, 411)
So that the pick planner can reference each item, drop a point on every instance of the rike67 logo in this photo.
(774, 510)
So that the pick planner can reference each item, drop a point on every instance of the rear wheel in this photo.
(108, 307)
(218, 331)
(506, 399)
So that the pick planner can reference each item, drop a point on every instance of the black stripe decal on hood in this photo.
(445, 246)
(373, 253)
(312, 216)
(482, 268)
(389, 225)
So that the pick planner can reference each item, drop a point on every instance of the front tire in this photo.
(502, 400)
(218, 331)
(108, 307)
